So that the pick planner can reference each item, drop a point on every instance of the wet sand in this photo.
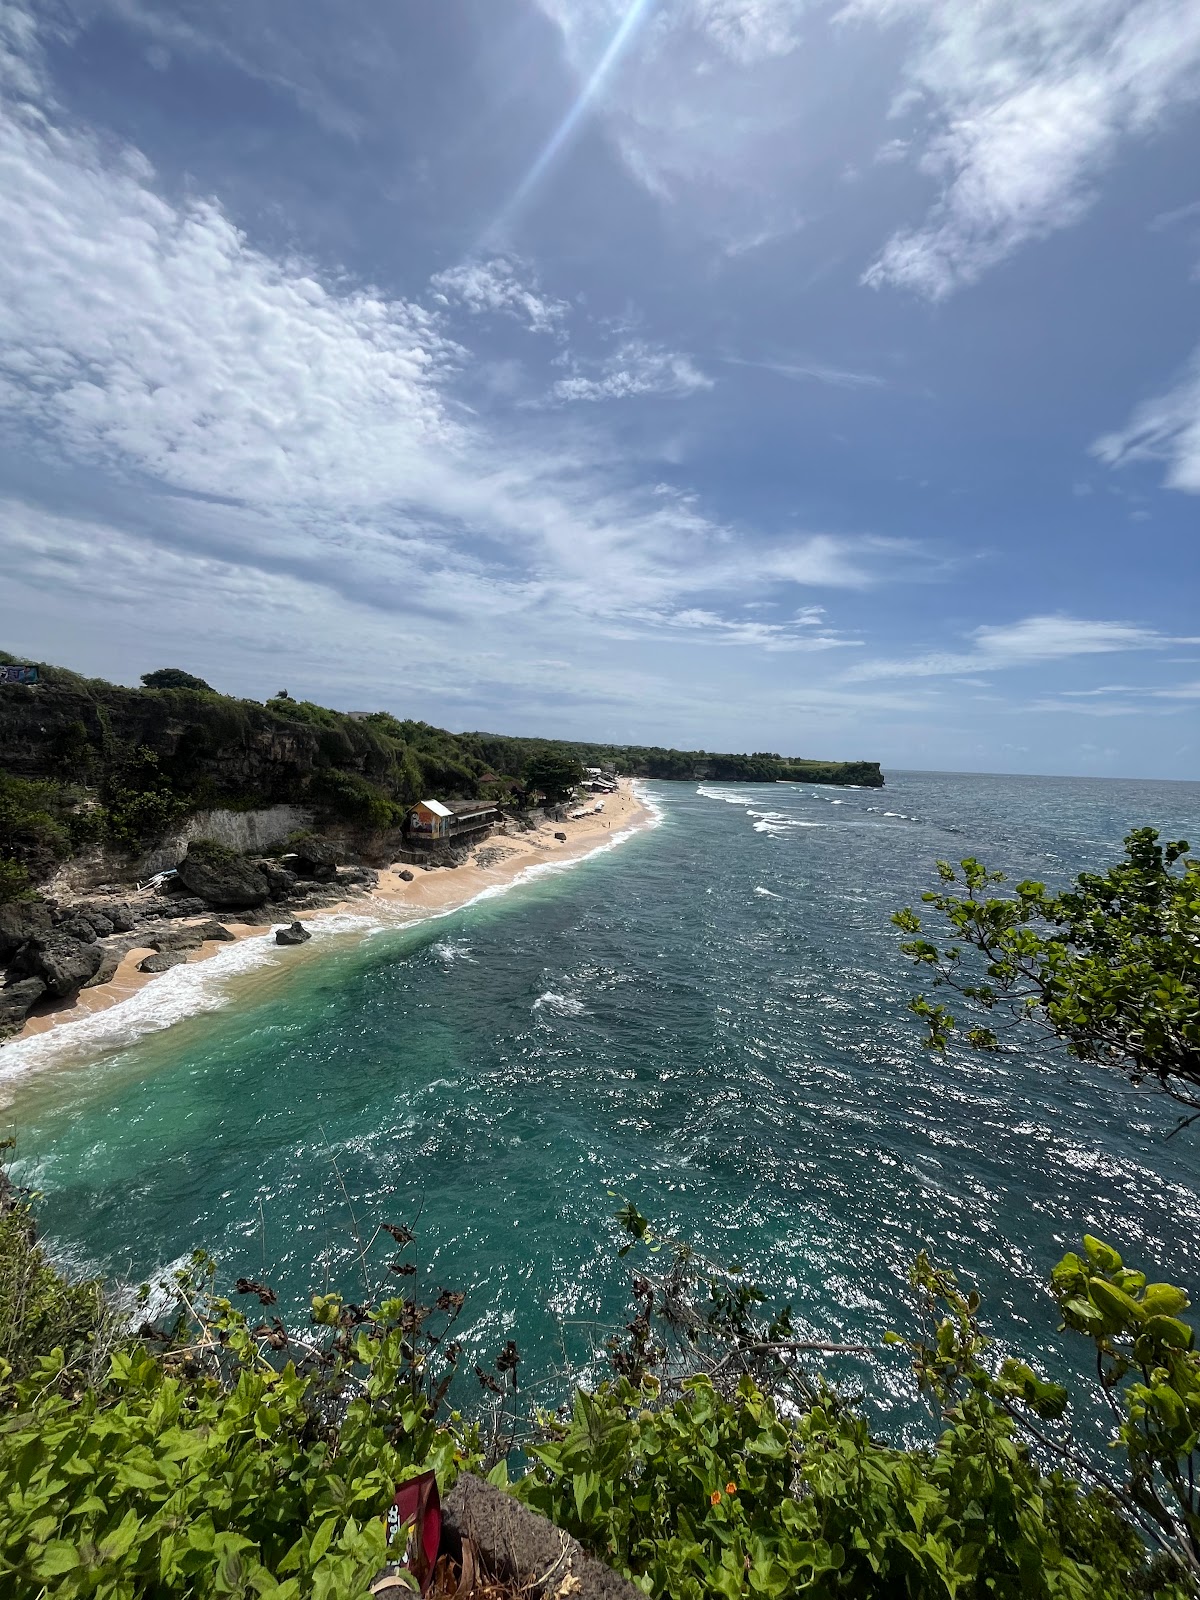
(430, 893)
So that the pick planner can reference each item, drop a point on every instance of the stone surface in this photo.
(519, 1547)
(176, 939)
(561, 837)
(162, 962)
(62, 963)
(77, 928)
(316, 858)
(406, 875)
(280, 882)
(21, 921)
(215, 930)
(221, 880)
(106, 971)
(16, 1001)
(296, 934)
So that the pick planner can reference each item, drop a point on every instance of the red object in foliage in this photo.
(417, 1505)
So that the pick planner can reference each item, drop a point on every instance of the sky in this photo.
(818, 376)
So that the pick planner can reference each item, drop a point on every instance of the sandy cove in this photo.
(430, 893)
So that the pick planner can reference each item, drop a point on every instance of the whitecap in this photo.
(770, 893)
(451, 950)
(562, 1005)
(200, 986)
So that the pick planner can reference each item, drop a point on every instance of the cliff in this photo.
(90, 766)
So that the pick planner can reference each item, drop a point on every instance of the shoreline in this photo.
(431, 894)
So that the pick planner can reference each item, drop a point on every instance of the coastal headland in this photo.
(142, 828)
(397, 893)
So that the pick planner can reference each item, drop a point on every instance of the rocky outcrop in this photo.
(110, 960)
(221, 879)
(162, 962)
(297, 933)
(317, 859)
(62, 963)
(21, 921)
(520, 1548)
(17, 999)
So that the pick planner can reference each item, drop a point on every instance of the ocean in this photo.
(709, 1020)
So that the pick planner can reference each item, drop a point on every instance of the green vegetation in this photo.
(553, 774)
(174, 678)
(208, 1452)
(85, 762)
(1111, 967)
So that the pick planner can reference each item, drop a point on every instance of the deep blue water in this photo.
(710, 1020)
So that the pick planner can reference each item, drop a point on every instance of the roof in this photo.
(436, 806)
(462, 808)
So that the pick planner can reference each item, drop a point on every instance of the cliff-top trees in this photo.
(174, 678)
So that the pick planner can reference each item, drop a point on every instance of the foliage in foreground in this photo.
(198, 1466)
(717, 1489)
(1111, 966)
(217, 1456)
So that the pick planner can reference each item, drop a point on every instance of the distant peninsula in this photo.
(91, 766)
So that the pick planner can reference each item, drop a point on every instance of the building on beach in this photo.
(442, 821)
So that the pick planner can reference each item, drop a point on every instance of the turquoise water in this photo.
(709, 1019)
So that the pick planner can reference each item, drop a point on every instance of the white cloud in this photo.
(1165, 429)
(496, 286)
(1029, 103)
(1015, 108)
(749, 30)
(635, 368)
(814, 372)
(1029, 642)
(310, 430)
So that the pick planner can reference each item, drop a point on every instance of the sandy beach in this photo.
(506, 854)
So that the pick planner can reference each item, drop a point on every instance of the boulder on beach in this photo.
(21, 921)
(17, 1000)
(175, 939)
(221, 878)
(106, 971)
(405, 874)
(297, 933)
(316, 858)
(215, 930)
(162, 961)
(280, 881)
(561, 837)
(62, 963)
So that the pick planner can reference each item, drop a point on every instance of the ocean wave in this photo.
(770, 893)
(451, 950)
(200, 986)
(187, 990)
(562, 1005)
(730, 797)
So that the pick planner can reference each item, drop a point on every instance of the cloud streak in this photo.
(1032, 641)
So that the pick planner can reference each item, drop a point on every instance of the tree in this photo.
(1111, 967)
(554, 773)
(174, 678)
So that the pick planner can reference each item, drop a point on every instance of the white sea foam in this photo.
(770, 893)
(562, 1005)
(184, 991)
(451, 950)
(730, 797)
(201, 986)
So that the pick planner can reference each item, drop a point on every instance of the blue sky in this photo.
(812, 375)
